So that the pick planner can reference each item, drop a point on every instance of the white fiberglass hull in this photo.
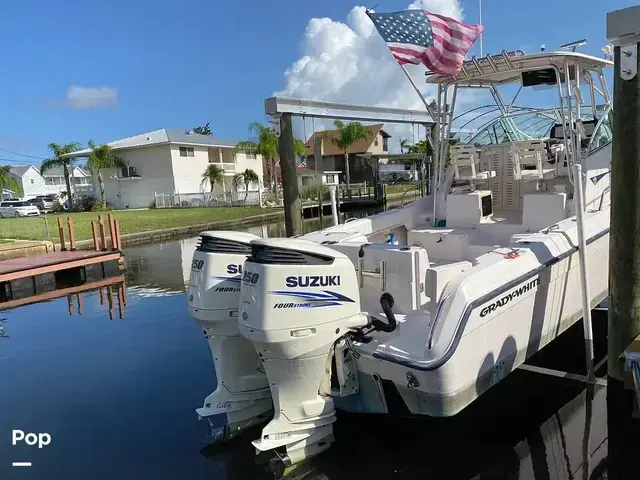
(494, 318)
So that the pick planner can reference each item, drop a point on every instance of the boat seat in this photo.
(466, 162)
(438, 277)
(530, 161)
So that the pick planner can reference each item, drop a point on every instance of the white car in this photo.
(18, 209)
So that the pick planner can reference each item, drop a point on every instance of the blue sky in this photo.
(143, 65)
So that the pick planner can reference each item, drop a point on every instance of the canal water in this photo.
(118, 397)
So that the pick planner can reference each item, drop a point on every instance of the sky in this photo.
(76, 70)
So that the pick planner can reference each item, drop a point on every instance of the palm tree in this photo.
(212, 175)
(58, 161)
(404, 143)
(267, 146)
(246, 178)
(347, 135)
(101, 157)
(8, 181)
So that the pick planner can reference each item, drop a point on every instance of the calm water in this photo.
(118, 399)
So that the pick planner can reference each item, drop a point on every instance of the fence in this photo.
(204, 199)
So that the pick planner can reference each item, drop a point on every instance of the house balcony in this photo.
(228, 168)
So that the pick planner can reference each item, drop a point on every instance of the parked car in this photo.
(397, 173)
(18, 209)
(43, 202)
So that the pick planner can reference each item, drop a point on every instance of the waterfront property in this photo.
(308, 177)
(333, 156)
(51, 182)
(170, 161)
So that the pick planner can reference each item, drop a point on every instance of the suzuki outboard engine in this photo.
(298, 298)
(214, 293)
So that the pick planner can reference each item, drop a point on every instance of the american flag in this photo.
(418, 36)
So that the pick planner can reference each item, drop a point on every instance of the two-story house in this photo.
(170, 161)
(333, 158)
(51, 182)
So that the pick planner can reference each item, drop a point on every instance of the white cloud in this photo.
(350, 63)
(91, 97)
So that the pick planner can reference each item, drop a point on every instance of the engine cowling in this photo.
(242, 393)
(297, 299)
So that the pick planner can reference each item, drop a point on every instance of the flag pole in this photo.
(481, 35)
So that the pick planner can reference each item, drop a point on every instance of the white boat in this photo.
(472, 281)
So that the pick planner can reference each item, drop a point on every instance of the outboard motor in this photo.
(298, 299)
(243, 392)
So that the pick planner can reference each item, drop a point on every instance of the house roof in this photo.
(19, 170)
(160, 137)
(361, 146)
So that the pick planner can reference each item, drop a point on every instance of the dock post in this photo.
(63, 245)
(292, 204)
(334, 206)
(320, 207)
(103, 240)
(80, 304)
(116, 226)
(72, 236)
(623, 31)
(112, 232)
(94, 231)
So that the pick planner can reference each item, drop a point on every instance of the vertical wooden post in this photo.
(63, 244)
(623, 28)
(116, 224)
(292, 204)
(112, 232)
(101, 290)
(103, 240)
(72, 236)
(94, 231)
(320, 207)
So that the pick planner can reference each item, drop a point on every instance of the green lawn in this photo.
(131, 221)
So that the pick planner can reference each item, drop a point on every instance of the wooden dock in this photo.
(67, 271)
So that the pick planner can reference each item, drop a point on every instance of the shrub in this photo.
(314, 192)
(185, 203)
(90, 203)
(57, 208)
(153, 204)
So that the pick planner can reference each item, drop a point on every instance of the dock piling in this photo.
(103, 239)
(112, 232)
(116, 225)
(63, 245)
(94, 231)
(623, 32)
(292, 204)
(72, 236)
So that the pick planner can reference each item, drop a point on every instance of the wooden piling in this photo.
(70, 305)
(94, 231)
(63, 245)
(292, 204)
(112, 232)
(624, 249)
(103, 240)
(101, 291)
(72, 236)
(110, 299)
(120, 294)
(116, 224)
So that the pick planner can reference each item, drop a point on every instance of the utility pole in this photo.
(292, 205)
(623, 31)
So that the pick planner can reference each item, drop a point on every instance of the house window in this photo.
(186, 152)
(376, 141)
(385, 144)
(330, 179)
(251, 155)
(32, 182)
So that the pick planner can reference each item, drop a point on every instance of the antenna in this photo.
(573, 45)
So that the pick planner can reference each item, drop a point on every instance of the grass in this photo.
(131, 221)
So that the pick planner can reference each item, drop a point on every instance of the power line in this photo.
(22, 154)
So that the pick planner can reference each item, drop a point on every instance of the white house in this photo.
(170, 161)
(308, 177)
(52, 182)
